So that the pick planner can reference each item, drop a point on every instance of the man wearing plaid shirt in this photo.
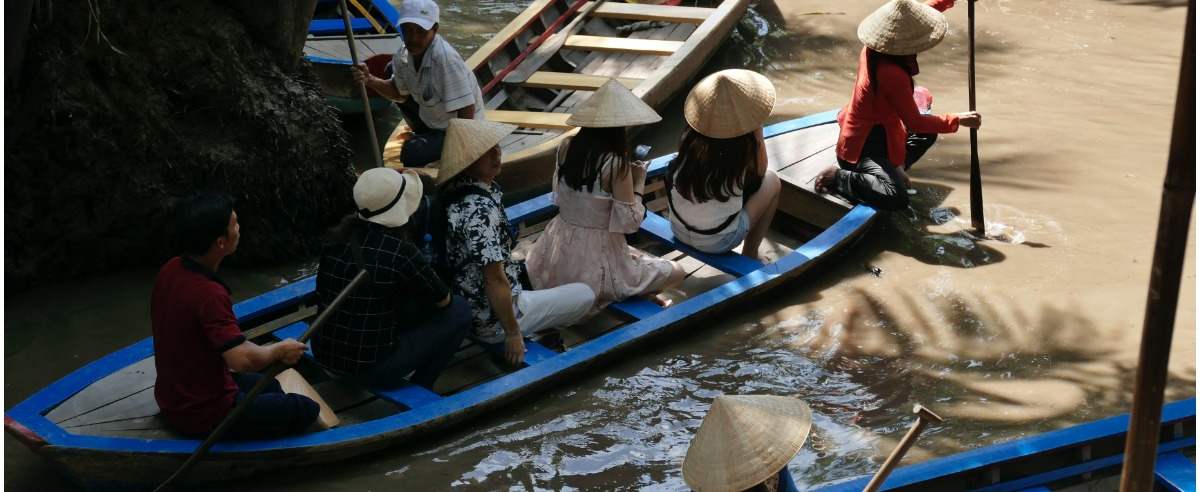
(430, 80)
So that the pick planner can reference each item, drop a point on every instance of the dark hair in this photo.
(201, 219)
(712, 168)
(587, 153)
(908, 63)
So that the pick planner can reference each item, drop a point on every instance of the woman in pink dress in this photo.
(597, 189)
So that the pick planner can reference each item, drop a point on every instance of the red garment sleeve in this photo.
(942, 5)
(220, 324)
(894, 83)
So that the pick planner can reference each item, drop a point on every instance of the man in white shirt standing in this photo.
(430, 81)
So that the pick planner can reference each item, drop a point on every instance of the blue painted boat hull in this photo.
(121, 462)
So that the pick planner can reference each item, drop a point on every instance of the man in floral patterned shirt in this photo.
(478, 246)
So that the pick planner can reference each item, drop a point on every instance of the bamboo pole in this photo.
(976, 179)
(1174, 220)
(925, 417)
(362, 88)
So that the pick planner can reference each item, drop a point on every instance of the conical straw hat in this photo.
(903, 27)
(613, 105)
(466, 141)
(729, 103)
(744, 440)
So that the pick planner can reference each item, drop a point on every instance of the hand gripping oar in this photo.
(362, 88)
(924, 417)
(976, 180)
(270, 374)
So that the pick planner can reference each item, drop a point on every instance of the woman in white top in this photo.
(721, 192)
(596, 188)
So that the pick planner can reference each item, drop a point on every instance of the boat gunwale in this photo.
(497, 392)
(1018, 449)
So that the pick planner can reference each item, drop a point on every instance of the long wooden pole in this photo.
(268, 376)
(924, 418)
(362, 88)
(976, 180)
(1174, 220)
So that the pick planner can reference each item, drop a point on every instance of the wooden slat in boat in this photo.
(530, 119)
(621, 45)
(662, 13)
(574, 81)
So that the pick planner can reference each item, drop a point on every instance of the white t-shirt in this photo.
(443, 85)
(705, 215)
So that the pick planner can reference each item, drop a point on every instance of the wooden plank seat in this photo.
(622, 45)
(530, 119)
(663, 13)
(636, 308)
(574, 81)
(1175, 472)
(732, 263)
(410, 395)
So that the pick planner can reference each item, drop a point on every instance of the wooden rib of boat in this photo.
(1079, 458)
(376, 36)
(100, 423)
(653, 49)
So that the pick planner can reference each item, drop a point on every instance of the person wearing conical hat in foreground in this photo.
(474, 243)
(720, 190)
(404, 319)
(596, 187)
(886, 126)
(745, 443)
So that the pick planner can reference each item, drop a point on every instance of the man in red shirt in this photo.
(197, 340)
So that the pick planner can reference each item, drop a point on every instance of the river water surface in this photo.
(1004, 338)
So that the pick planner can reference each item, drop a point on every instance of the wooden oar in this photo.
(362, 88)
(547, 49)
(924, 417)
(268, 376)
(976, 180)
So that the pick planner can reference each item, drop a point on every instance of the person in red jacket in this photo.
(883, 131)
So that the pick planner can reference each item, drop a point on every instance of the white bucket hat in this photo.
(729, 103)
(903, 27)
(386, 196)
(466, 141)
(744, 440)
(613, 105)
(423, 13)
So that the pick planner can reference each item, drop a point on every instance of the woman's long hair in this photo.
(906, 62)
(712, 168)
(587, 153)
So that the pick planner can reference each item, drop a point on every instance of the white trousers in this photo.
(539, 310)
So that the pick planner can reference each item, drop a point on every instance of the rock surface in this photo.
(125, 107)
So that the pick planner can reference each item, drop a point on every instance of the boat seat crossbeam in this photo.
(574, 81)
(663, 13)
(530, 119)
(732, 263)
(622, 45)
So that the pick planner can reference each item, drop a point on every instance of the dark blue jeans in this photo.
(425, 348)
(272, 413)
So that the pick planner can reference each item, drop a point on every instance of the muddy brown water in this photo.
(1004, 339)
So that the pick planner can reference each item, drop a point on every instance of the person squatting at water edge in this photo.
(745, 443)
(720, 190)
(430, 81)
(197, 340)
(598, 190)
(883, 131)
(473, 242)
(404, 319)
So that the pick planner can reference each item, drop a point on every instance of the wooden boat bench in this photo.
(1175, 472)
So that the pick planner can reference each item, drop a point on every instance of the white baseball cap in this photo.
(423, 13)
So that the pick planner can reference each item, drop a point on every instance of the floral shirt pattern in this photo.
(477, 234)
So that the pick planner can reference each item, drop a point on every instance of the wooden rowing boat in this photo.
(652, 49)
(377, 37)
(100, 423)
(1083, 457)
